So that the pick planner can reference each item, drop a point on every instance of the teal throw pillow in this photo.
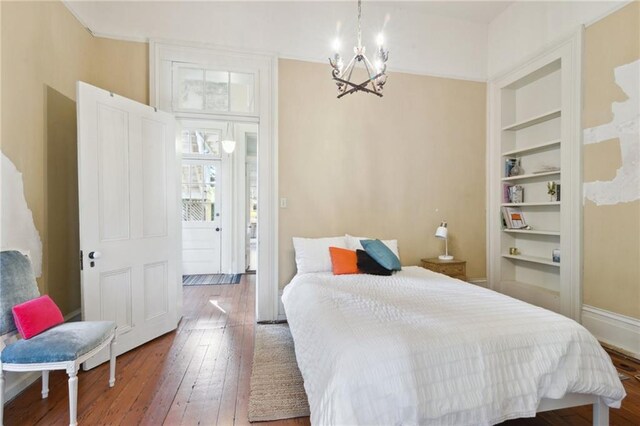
(381, 254)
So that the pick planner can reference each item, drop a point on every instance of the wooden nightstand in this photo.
(455, 268)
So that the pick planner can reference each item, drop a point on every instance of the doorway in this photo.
(197, 82)
(219, 198)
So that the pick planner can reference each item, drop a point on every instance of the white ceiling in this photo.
(447, 38)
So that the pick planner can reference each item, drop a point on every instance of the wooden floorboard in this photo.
(199, 375)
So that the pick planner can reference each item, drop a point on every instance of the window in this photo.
(199, 192)
(203, 90)
(201, 142)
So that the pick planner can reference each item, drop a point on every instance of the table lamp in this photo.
(442, 233)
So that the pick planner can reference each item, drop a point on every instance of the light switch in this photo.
(283, 203)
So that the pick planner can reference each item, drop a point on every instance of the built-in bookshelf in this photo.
(535, 123)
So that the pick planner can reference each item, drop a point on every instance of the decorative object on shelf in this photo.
(514, 218)
(376, 71)
(552, 190)
(228, 141)
(517, 169)
(508, 165)
(516, 194)
(556, 255)
(513, 251)
(442, 232)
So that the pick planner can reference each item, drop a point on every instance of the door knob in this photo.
(95, 255)
(217, 229)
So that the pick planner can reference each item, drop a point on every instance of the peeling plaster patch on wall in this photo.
(18, 229)
(625, 186)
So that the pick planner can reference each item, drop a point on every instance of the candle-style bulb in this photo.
(336, 45)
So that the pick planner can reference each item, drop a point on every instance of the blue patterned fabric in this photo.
(64, 342)
(381, 254)
(17, 285)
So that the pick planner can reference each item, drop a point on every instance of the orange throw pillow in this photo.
(343, 261)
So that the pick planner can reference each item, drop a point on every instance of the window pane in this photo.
(217, 91)
(242, 93)
(211, 144)
(190, 88)
(199, 192)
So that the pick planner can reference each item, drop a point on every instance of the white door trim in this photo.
(162, 52)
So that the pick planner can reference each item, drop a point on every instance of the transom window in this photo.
(210, 91)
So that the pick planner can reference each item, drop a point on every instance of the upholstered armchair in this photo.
(63, 347)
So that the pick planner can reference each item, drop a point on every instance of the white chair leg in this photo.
(600, 413)
(73, 397)
(112, 363)
(1, 395)
(45, 384)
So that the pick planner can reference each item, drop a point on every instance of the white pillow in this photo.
(353, 243)
(312, 254)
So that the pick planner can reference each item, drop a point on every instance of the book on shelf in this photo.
(557, 192)
(506, 193)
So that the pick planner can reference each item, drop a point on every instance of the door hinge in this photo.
(81, 261)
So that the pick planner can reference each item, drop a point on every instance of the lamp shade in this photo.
(228, 141)
(442, 232)
(228, 145)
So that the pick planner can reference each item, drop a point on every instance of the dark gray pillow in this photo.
(368, 265)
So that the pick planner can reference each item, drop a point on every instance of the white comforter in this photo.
(422, 348)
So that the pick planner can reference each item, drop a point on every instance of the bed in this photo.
(422, 348)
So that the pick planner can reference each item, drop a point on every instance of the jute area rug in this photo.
(277, 390)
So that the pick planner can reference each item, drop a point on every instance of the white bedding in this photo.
(423, 348)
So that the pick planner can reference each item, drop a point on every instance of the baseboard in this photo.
(17, 382)
(612, 329)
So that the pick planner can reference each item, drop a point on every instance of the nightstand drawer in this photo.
(453, 268)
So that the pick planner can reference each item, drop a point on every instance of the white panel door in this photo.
(128, 163)
(201, 217)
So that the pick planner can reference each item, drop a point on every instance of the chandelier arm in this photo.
(369, 68)
(357, 88)
(350, 68)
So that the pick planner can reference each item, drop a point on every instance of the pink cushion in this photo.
(36, 315)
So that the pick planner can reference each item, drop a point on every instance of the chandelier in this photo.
(376, 71)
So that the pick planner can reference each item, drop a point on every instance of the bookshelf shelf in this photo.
(532, 232)
(555, 113)
(533, 148)
(520, 284)
(549, 203)
(530, 176)
(532, 259)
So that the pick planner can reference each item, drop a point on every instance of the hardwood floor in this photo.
(200, 374)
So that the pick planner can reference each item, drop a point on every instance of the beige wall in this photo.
(387, 168)
(45, 51)
(611, 232)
